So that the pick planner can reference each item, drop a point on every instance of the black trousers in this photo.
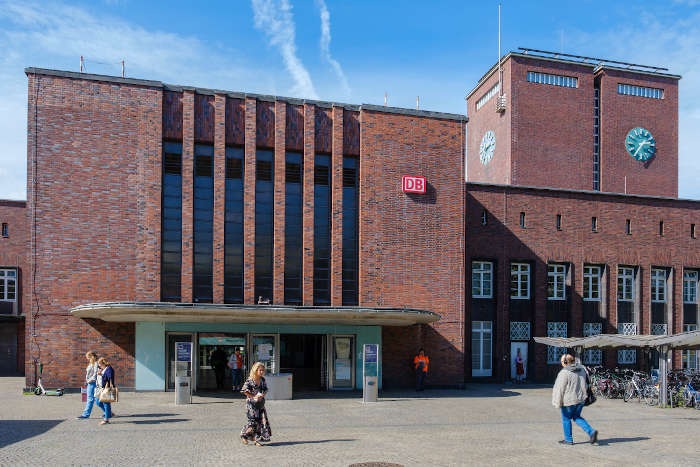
(420, 378)
(220, 374)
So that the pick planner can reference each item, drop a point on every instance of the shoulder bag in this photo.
(590, 397)
(109, 394)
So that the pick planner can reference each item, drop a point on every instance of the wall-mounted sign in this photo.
(411, 184)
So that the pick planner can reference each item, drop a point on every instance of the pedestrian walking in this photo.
(421, 362)
(235, 362)
(218, 360)
(105, 378)
(568, 395)
(90, 382)
(255, 388)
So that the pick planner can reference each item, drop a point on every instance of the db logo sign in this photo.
(413, 184)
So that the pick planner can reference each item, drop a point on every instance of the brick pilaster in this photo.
(279, 213)
(337, 208)
(249, 203)
(308, 200)
(219, 195)
(187, 194)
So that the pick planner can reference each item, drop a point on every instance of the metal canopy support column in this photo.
(663, 374)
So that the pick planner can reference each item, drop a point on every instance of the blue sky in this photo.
(348, 51)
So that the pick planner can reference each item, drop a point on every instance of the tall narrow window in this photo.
(203, 224)
(661, 228)
(692, 230)
(596, 137)
(264, 220)
(625, 284)
(520, 280)
(628, 227)
(322, 230)
(233, 227)
(522, 220)
(171, 228)
(482, 279)
(484, 217)
(690, 287)
(556, 282)
(658, 285)
(558, 222)
(293, 229)
(594, 224)
(4, 229)
(350, 231)
(591, 283)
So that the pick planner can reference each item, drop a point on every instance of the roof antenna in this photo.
(122, 68)
(82, 64)
(385, 96)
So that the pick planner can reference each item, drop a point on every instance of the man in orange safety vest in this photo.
(421, 362)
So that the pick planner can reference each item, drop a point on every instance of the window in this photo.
(692, 230)
(520, 280)
(592, 356)
(4, 229)
(596, 138)
(350, 230)
(690, 359)
(556, 329)
(482, 279)
(661, 228)
(264, 222)
(658, 285)
(484, 217)
(625, 284)
(522, 220)
(558, 222)
(556, 282)
(203, 225)
(233, 226)
(628, 227)
(8, 285)
(171, 219)
(640, 91)
(591, 283)
(481, 347)
(553, 80)
(489, 94)
(594, 224)
(690, 287)
(322, 230)
(293, 205)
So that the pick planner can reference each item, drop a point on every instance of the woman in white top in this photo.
(91, 382)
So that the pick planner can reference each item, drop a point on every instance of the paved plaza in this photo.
(480, 425)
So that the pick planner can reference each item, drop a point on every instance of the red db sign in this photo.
(413, 184)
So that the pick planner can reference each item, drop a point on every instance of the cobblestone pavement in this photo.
(481, 425)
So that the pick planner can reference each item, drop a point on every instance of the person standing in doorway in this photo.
(91, 382)
(235, 362)
(421, 362)
(568, 395)
(217, 360)
(519, 368)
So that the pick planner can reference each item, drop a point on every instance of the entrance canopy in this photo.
(274, 314)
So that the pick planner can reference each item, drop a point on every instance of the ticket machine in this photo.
(183, 373)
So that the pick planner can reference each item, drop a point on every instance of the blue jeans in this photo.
(90, 399)
(573, 412)
(107, 408)
(237, 376)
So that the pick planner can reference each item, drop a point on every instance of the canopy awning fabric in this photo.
(684, 341)
(252, 314)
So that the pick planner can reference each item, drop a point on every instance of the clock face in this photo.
(487, 147)
(640, 144)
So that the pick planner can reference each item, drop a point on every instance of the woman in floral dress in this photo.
(255, 388)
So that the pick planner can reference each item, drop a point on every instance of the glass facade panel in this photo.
(203, 224)
(171, 228)
(350, 231)
(322, 230)
(293, 229)
(264, 220)
(233, 227)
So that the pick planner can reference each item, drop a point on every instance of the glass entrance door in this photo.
(481, 348)
(264, 349)
(170, 341)
(215, 350)
(342, 362)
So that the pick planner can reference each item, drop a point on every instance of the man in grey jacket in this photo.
(569, 395)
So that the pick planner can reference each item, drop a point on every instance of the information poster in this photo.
(371, 361)
(183, 351)
(343, 367)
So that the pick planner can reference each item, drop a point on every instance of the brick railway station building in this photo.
(160, 213)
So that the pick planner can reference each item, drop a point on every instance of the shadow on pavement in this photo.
(605, 442)
(156, 422)
(292, 443)
(145, 415)
(14, 431)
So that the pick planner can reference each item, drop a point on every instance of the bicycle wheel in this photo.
(628, 393)
(688, 398)
(651, 395)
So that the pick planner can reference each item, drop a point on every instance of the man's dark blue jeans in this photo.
(573, 412)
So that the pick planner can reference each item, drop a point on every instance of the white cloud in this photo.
(326, 46)
(274, 18)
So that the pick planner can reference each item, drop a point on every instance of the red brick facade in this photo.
(544, 138)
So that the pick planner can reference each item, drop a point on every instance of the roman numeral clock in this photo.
(640, 144)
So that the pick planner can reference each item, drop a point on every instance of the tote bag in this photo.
(109, 394)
